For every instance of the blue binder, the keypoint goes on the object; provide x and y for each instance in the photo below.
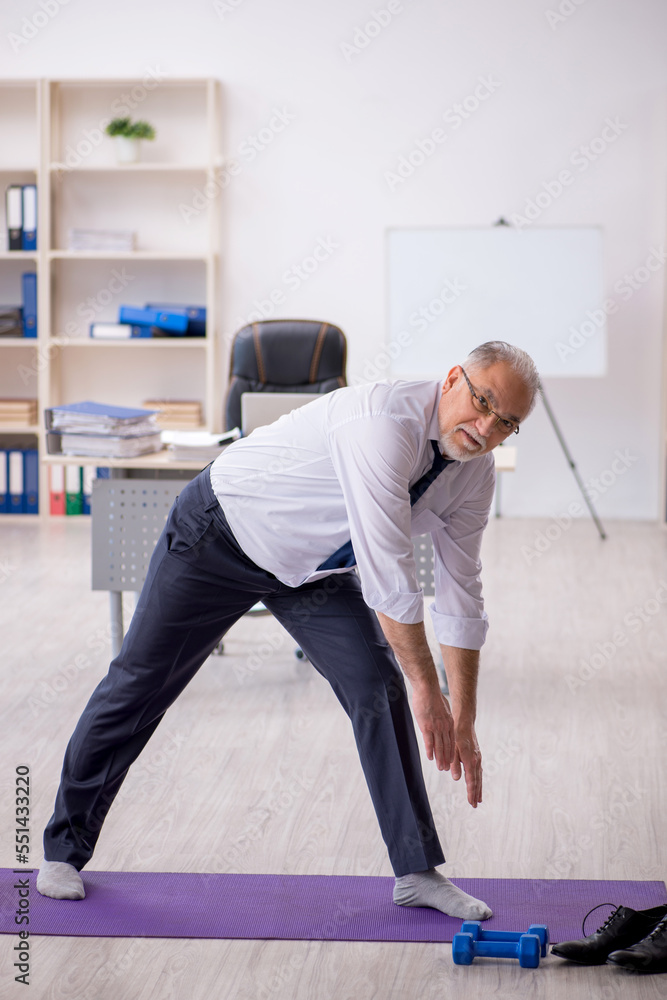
(15, 476)
(170, 321)
(87, 476)
(29, 290)
(30, 481)
(4, 482)
(196, 316)
(92, 409)
(29, 236)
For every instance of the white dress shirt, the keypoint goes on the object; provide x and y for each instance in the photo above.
(341, 467)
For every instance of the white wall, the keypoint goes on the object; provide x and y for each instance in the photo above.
(352, 113)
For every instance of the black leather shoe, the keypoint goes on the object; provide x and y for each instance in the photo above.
(648, 955)
(623, 928)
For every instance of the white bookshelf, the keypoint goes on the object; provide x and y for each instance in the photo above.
(52, 134)
(20, 163)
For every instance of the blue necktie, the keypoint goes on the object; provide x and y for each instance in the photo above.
(344, 556)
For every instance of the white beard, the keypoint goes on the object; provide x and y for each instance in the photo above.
(460, 451)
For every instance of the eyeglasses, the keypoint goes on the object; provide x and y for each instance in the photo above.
(482, 406)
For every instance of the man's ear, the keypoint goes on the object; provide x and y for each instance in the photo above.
(452, 378)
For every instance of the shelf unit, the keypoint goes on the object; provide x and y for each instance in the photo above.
(52, 134)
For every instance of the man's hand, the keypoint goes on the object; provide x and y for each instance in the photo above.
(449, 739)
(435, 721)
(454, 747)
(467, 755)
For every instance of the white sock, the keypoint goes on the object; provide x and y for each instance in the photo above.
(60, 881)
(430, 888)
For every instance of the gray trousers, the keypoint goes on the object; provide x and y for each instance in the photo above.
(198, 584)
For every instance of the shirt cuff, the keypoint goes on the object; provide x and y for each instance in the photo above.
(408, 609)
(464, 633)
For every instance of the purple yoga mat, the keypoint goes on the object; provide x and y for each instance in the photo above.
(303, 907)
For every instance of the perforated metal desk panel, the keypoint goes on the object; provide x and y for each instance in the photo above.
(128, 517)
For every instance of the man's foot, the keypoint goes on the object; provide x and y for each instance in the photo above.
(430, 888)
(59, 880)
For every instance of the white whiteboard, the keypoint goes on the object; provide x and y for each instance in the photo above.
(452, 289)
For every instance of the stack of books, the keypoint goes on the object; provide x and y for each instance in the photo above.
(101, 430)
(101, 239)
(197, 446)
(22, 412)
(176, 413)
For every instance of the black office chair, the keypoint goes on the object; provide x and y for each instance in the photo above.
(284, 355)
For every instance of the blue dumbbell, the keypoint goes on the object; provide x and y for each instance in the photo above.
(480, 934)
(527, 949)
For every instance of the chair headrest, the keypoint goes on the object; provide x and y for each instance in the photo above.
(288, 352)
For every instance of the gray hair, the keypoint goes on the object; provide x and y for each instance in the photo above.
(523, 366)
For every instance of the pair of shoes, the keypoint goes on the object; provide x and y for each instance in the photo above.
(624, 928)
(648, 955)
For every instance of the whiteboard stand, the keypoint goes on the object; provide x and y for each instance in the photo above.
(570, 461)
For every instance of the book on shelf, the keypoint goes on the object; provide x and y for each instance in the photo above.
(176, 413)
(18, 411)
(119, 240)
(29, 292)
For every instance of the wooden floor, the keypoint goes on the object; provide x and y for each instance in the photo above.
(254, 768)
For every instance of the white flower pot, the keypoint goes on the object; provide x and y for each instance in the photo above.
(127, 150)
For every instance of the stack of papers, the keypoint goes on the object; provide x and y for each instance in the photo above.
(100, 418)
(197, 446)
(101, 239)
(109, 447)
(104, 431)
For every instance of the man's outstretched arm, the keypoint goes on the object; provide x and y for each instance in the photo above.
(449, 738)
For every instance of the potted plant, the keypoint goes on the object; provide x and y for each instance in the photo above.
(127, 135)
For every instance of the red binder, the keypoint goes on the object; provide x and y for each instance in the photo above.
(57, 489)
